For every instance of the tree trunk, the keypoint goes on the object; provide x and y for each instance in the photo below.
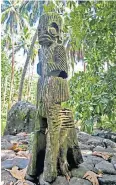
(5, 90)
(26, 65)
(12, 71)
(29, 56)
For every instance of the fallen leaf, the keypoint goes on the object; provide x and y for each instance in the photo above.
(104, 155)
(92, 177)
(14, 145)
(18, 174)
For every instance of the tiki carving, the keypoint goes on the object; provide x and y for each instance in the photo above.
(55, 146)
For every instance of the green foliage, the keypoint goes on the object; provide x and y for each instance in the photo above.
(18, 22)
(29, 90)
(93, 29)
(89, 28)
(49, 7)
(92, 97)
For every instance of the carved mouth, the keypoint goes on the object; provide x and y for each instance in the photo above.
(44, 38)
(63, 75)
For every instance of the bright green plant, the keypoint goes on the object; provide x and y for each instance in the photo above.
(93, 96)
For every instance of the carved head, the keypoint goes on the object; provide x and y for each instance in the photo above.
(50, 29)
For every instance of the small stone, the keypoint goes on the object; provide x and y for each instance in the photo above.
(113, 161)
(84, 147)
(105, 167)
(60, 181)
(82, 169)
(29, 183)
(77, 181)
(107, 180)
(20, 162)
(79, 172)
(95, 141)
(88, 165)
(109, 150)
(87, 152)
(92, 159)
(5, 145)
(109, 143)
(83, 137)
(7, 154)
(7, 177)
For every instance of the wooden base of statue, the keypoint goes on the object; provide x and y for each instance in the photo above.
(43, 160)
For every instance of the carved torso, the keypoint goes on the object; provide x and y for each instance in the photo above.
(53, 70)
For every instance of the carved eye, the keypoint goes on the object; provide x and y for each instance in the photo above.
(52, 31)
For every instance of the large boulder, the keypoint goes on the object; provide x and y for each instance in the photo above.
(20, 118)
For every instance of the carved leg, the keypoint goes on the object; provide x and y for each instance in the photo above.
(63, 160)
(75, 148)
(36, 163)
(74, 153)
(66, 120)
(68, 143)
(52, 148)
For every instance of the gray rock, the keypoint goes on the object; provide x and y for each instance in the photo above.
(7, 177)
(89, 166)
(107, 180)
(29, 183)
(105, 134)
(95, 141)
(107, 150)
(21, 118)
(73, 181)
(84, 146)
(7, 154)
(20, 162)
(113, 161)
(110, 143)
(86, 152)
(105, 167)
(17, 139)
(82, 169)
(92, 159)
(77, 181)
(79, 172)
(83, 137)
(60, 181)
(5, 145)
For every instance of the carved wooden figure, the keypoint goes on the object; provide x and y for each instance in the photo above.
(55, 146)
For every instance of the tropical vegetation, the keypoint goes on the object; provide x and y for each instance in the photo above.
(89, 37)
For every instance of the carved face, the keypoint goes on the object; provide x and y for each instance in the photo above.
(49, 29)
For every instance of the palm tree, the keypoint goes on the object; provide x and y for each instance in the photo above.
(12, 22)
(34, 9)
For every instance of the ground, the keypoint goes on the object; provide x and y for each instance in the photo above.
(99, 155)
